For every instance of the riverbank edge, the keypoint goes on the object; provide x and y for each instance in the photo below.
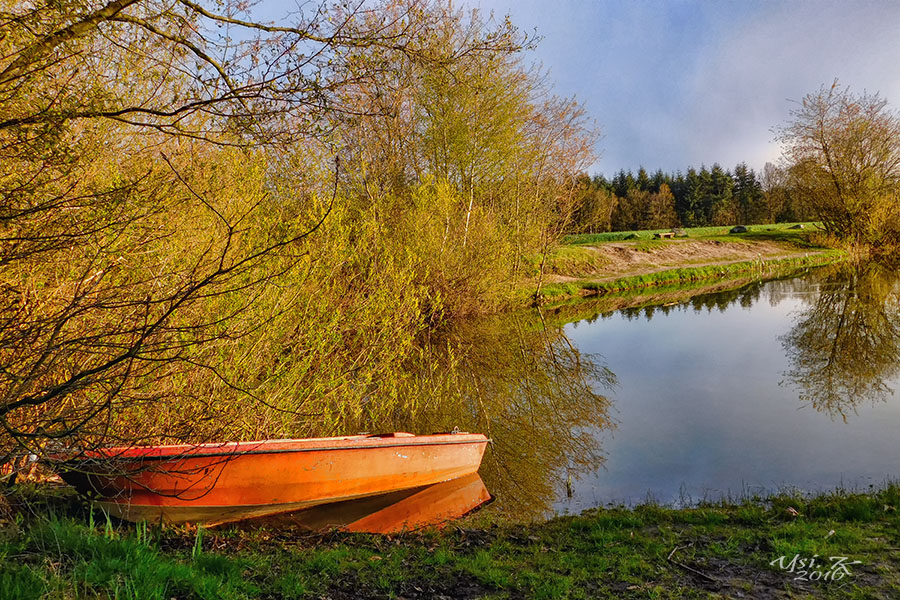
(751, 548)
(759, 269)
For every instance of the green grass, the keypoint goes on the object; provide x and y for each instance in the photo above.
(768, 231)
(687, 276)
(65, 559)
(575, 260)
(604, 553)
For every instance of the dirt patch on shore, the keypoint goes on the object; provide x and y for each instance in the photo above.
(623, 259)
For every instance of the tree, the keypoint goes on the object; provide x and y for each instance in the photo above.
(775, 193)
(842, 151)
(623, 182)
(642, 180)
(659, 179)
(470, 159)
(595, 206)
(748, 196)
(140, 228)
(719, 204)
(691, 209)
(662, 209)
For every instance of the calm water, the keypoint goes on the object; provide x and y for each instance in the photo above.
(785, 384)
(782, 384)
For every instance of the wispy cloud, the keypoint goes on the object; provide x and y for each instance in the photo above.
(674, 84)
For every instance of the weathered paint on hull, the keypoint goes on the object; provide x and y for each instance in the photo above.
(218, 483)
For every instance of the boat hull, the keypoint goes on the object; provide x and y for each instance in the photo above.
(218, 483)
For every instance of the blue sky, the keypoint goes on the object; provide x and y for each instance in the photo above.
(677, 84)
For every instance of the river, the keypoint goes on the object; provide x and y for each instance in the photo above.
(784, 385)
(773, 386)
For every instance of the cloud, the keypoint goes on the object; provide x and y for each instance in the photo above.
(781, 54)
(677, 84)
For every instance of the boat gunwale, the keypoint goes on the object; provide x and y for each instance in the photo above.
(196, 452)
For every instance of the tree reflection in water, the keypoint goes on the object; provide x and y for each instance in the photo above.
(846, 344)
(519, 380)
(843, 347)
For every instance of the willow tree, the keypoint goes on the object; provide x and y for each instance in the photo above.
(468, 162)
(843, 155)
(138, 226)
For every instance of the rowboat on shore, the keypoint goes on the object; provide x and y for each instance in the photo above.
(224, 482)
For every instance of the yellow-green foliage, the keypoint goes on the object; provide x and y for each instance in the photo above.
(843, 155)
(460, 270)
(175, 269)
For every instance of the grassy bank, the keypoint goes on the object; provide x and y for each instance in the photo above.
(577, 308)
(686, 276)
(717, 551)
(635, 262)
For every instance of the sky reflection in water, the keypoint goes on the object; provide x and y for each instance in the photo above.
(705, 407)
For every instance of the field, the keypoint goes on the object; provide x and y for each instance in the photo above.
(781, 230)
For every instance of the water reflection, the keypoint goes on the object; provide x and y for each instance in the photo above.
(723, 394)
(706, 391)
(406, 510)
(844, 343)
(844, 347)
(522, 382)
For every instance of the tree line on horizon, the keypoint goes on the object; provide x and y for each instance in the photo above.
(841, 166)
(694, 198)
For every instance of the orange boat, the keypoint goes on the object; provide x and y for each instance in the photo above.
(219, 483)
